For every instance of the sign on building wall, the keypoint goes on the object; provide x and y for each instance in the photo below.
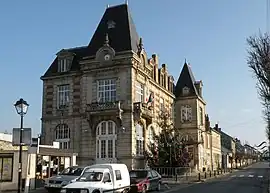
(26, 136)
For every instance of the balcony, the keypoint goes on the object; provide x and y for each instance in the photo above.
(142, 110)
(106, 107)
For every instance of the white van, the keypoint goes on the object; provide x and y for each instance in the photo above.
(100, 178)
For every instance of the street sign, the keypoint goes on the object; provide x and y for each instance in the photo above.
(26, 136)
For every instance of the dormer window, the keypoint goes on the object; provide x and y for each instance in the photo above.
(63, 65)
(185, 90)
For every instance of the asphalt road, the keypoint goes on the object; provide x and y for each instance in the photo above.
(253, 179)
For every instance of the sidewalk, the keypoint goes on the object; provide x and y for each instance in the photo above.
(38, 190)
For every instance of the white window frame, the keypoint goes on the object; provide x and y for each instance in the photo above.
(104, 139)
(188, 113)
(151, 135)
(62, 135)
(201, 116)
(139, 92)
(161, 104)
(139, 140)
(63, 65)
(185, 90)
(106, 90)
(63, 95)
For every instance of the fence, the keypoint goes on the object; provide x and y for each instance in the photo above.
(185, 174)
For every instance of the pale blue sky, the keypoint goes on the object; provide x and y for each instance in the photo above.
(210, 34)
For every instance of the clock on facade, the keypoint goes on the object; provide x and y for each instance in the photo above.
(186, 113)
(107, 57)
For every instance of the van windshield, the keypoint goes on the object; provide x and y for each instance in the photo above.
(91, 177)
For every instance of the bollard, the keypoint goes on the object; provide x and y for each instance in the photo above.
(176, 177)
(220, 171)
(215, 173)
(199, 176)
(205, 175)
(210, 174)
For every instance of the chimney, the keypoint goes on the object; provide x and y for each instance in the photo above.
(199, 85)
(207, 122)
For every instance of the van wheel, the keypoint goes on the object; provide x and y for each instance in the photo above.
(96, 191)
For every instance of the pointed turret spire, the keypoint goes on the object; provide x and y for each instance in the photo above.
(186, 79)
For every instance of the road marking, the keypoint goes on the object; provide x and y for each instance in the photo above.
(250, 176)
(260, 176)
(233, 176)
(241, 176)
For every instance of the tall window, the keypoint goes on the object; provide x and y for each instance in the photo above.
(62, 135)
(161, 104)
(106, 90)
(6, 167)
(201, 116)
(63, 65)
(63, 95)
(139, 140)
(151, 136)
(172, 111)
(106, 138)
(139, 89)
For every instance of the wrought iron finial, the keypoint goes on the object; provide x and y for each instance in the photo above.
(140, 43)
(106, 42)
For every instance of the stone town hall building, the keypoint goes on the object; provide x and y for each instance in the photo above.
(103, 100)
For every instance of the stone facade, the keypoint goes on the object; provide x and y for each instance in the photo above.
(103, 101)
(115, 125)
(216, 149)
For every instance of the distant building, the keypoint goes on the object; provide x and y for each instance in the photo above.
(228, 149)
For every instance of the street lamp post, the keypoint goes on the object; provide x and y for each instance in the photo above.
(21, 108)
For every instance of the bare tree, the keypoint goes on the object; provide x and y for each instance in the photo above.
(259, 63)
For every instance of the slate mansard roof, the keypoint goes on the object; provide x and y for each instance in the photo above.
(122, 37)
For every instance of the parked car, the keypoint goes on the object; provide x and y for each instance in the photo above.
(145, 180)
(68, 175)
(101, 178)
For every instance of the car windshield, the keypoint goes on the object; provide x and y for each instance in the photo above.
(71, 171)
(138, 174)
(91, 176)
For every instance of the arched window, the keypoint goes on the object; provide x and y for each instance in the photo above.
(139, 140)
(106, 137)
(62, 135)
